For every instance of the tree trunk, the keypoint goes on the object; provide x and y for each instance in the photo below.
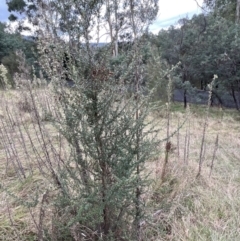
(201, 84)
(184, 79)
(238, 12)
(218, 98)
(235, 99)
(185, 98)
(116, 28)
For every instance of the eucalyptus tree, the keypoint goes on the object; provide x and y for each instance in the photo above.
(184, 47)
(228, 60)
(217, 54)
(238, 12)
(204, 45)
(228, 9)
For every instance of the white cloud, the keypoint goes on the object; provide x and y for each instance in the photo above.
(14, 25)
(170, 11)
(170, 8)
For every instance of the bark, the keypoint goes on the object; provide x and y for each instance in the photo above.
(105, 173)
(116, 29)
(238, 12)
(185, 98)
(113, 34)
(218, 98)
(184, 79)
(235, 99)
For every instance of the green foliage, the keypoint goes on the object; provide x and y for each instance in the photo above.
(10, 61)
(157, 76)
(102, 132)
(9, 44)
(222, 8)
(100, 182)
(17, 6)
(204, 46)
(109, 147)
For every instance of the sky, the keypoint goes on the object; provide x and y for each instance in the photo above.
(170, 11)
(3, 11)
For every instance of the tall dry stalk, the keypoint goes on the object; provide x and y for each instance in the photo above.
(203, 149)
(187, 136)
(168, 145)
(214, 154)
(28, 140)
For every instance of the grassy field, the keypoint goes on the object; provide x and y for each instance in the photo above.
(180, 205)
(207, 207)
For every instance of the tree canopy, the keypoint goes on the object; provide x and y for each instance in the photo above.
(228, 9)
(9, 44)
(203, 46)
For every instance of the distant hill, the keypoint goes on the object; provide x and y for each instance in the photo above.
(32, 38)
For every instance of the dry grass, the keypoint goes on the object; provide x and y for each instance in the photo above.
(29, 145)
(204, 208)
(181, 206)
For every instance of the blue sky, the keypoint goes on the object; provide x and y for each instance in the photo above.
(170, 11)
(3, 11)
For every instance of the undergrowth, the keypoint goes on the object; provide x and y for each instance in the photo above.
(179, 206)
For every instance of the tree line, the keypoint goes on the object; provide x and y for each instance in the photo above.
(10, 44)
(201, 47)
